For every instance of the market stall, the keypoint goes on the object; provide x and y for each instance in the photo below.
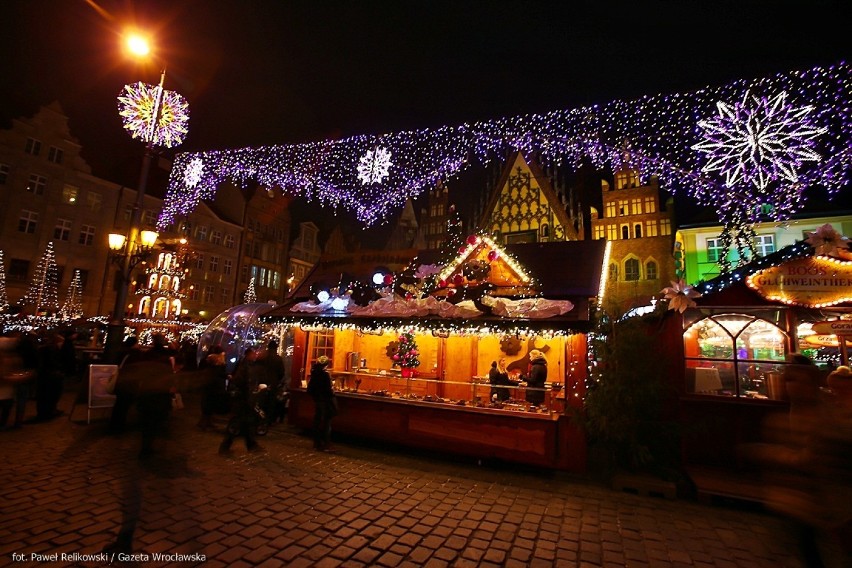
(516, 300)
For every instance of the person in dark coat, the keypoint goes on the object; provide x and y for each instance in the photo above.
(214, 391)
(275, 409)
(325, 405)
(498, 376)
(50, 379)
(242, 387)
(537, 378)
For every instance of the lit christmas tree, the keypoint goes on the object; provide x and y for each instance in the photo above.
(250, 297)
(73, 306)
(4, 299)
(42, 294)
(407, 354)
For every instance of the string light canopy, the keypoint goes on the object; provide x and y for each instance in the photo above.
(743, 145)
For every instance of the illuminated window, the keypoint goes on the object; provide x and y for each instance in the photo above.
(621, 180)
(600, 232)
(764, 244)
(610, 209)
(622, 207)
(714, 250)
(650, 205)
(635, 206)
(612, 232)
(70, 193)
(321, 343)
(650, 228)
(665, 227)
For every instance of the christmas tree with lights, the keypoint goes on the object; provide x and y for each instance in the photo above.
(407, 353)
(250, 297)
(73, 306)
(4, 299)
(42, 294)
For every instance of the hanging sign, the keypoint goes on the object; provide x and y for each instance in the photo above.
(834, 327)
(816, 282)
(823, 340)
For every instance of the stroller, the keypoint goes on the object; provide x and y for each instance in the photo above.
(258, 402)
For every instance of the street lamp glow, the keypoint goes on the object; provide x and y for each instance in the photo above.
(138, 45)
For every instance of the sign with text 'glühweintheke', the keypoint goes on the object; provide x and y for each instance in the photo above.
(816, 282)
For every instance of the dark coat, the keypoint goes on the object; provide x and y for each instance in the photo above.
(497, 379)
(320, 385)
(537, 378)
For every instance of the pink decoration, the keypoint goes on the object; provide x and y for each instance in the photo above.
(471, 240)
(388, 279)
(492, 255)
(458, 279)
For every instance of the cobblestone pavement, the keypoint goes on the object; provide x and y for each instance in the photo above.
(69, 488)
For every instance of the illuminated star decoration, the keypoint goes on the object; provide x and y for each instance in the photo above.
(194, 172)
(680, 296)
(759, 140)
(137, 104)
(826, 240)
(374, 166)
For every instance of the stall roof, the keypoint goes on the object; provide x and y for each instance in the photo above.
(569, 270)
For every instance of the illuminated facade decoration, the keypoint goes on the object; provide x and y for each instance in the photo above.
(160, 293)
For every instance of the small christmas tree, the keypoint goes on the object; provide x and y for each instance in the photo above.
(407, 353)
(250, 297)
(4, 299)
(42, 294)
(73, 306)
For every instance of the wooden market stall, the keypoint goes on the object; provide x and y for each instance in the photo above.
(519, 298)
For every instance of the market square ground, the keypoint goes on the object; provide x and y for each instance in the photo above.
(67, 487)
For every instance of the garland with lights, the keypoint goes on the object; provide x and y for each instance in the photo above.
(73, 306)
(250, 297)
(42, 293)
(749, 142)
(4, 298)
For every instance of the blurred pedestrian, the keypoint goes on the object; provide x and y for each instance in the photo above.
(275, 409)
(242, 386)
(214, 394)
(325, 404)
(50, 379)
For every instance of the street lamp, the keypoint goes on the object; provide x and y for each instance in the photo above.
(158, 118)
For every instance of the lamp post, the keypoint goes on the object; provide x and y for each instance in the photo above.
(141, 107)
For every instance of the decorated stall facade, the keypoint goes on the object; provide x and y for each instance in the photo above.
(737, 337)
(411, 362)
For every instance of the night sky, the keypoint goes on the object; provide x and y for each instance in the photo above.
(287, 71)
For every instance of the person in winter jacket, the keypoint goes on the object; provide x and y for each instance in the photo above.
(325, 404)
(537, 378)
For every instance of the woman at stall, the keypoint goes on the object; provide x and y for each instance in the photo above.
(537, 378)
(498, 376)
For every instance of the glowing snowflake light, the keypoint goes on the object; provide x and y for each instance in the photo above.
(759, 140)
(374, 166)
(194, 172)
(137, 106)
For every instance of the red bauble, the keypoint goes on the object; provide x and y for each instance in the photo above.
(388, 279)
(458, 279)
(442, 283)
(462, 249)
(471, 240)
(451, 292)
(492, 255)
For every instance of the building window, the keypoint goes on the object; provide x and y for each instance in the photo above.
(54, 155)
(600, 232)
(714, 250)
(36, 184)
(4, 173)
(27, 221)
(620, 180)
(651, 270)
(610, 209)
(33, 147)
(149, 218)
(631, 269)
(764, 244)
(622, 207)
(128, 212)
(193, 293)
(665, 227)
(87, 235)
(612, 232)
(214, 263)
(227, 266)
(94, 201)
(199, 261)
(244, 272)
(208, 294)
(637, 230)
(229, 241)
(226, 296)
(18, 269)
(650, 228)
(613, 272)
(650, 205)
(201, 233)
(322, 343)
(625, 232)
(216, 237)
(635, 206)
(62, 231)
(69, 194)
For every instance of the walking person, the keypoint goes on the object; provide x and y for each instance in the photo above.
(275, 409)
(242, 387)
(325, 404)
